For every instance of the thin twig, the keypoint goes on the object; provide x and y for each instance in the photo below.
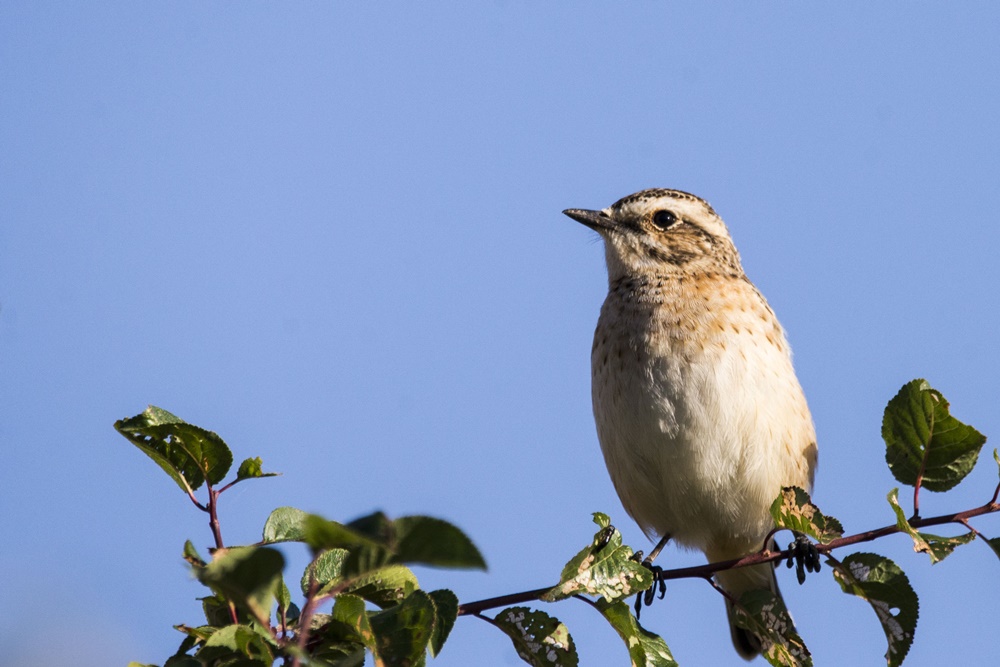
(213, 517)
(305, 618)
(763, 556)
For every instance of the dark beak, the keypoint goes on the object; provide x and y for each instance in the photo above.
(596, 220)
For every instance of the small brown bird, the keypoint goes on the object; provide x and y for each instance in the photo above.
(699, 413)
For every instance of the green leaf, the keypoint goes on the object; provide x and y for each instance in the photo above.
(189, 454)
(251, 469)
(996, 457)
(887, 589)
(935, 546)
(386, 586)
(764, 614)
(285, 524)
(320, 533)
(140, 664)
(430, 541)
(239, 640)
(216, 611)
(794, 510)
(994, 543)
(604, 567)
(338, 654)
(248, 576)
(182, 661)
(402, 632)
(283, 597)
(445, 614)
(921, 435)
(644, 648)
(349, 611)
(539, 639)
(191, 555)
(327, 569)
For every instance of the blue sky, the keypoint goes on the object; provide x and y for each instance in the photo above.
(332, 234)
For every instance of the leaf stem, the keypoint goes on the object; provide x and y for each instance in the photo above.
(305, 618)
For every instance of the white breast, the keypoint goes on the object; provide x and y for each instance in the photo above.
(699, 413)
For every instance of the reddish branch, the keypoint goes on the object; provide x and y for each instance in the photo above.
(765, 556)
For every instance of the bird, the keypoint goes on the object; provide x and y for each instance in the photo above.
(699, 413)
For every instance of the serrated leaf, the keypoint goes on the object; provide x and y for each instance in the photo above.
(604, 568)
(403, 632)
(645, 649)
(887, 589)
(921, 435)
(188, 453)
(430, 541)
(252, 469)
(285, 524)
(445, 614)
(764, 614)
(794, 510)
(935, 546)
(539, 639)
(326, 569)
(386, 586)
(237, 640)
(248, 576)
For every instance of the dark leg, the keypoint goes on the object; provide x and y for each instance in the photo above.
(646, 597)
(805, 557)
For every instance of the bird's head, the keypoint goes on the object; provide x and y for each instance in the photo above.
(657, 232)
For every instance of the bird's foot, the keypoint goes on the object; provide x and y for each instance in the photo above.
(645, 598)
(804, 556)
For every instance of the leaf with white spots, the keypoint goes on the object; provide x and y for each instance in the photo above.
(887, 589)
(764, 614)
(794, 510)
(923, 441)
(540, 639)
(645, 649)
(604, 567)
(935, 546)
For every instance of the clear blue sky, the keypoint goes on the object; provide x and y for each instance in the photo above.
(332, 233)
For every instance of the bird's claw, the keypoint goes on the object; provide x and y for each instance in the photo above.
(645, 598)
(804, 556)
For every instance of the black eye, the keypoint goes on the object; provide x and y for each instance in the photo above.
(664, 219)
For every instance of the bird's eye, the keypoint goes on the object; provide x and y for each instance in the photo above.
(664, 219)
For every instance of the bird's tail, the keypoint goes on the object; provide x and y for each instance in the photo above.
(736, 583)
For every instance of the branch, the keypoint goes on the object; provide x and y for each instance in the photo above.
(764, 556)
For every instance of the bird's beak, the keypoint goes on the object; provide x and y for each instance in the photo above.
(596, 220)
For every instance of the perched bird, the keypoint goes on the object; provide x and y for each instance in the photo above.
(699, 413)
